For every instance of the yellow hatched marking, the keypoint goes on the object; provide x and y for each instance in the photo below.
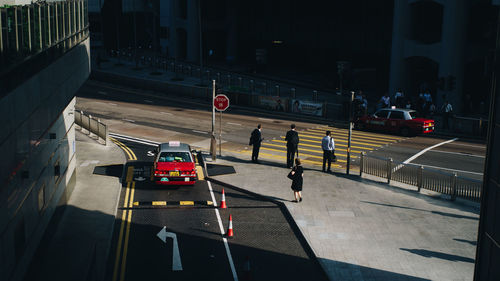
(186, 203)
(323, 129)
(310, 150)
(343, 137)
(120, 236)
(336, 145)
(127, 235)
(305, 149)
(341, 141)
(199, 172)
(247, 152)
(354, 135)
(130, 173)
(159, 203)
(302, 154)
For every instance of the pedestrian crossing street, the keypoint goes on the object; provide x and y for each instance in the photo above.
(310, 145)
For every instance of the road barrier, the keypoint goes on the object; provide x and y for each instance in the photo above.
(92, 125)
(421, 177)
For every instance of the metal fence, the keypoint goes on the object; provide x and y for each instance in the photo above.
(92, 125)
(421, 177)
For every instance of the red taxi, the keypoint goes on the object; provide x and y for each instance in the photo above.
(396, 120)
(174, 164)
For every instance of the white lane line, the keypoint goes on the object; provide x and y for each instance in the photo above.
(266, 119)
(148, 101)
(446, 169)
(112, 103)
(102, 93)
(420, 153)
(221, 227)
(427, 149)
(166, 113)
(236, 124)
(201, 132)
(458, 153)
(132, 139)
(129, 120)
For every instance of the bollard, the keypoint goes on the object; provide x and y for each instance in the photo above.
(315, 95)
(277, 90)
(420, 182)
(389, 170)
(453, 187)
(361, 162)
(292, 93)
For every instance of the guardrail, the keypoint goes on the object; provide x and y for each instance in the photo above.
(92, 125)
(427, 178)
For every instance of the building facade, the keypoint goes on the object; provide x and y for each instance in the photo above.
(44, 59)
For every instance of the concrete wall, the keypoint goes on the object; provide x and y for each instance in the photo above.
(37, 144)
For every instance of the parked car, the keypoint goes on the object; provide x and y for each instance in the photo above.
(174, 164)
(396, 120)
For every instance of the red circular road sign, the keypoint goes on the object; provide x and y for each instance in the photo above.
(221, 102)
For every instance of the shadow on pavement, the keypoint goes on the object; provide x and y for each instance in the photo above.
(473, 243)
(433, 254)
(109, 170)
(433, 212)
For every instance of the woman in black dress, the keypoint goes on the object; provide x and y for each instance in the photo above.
(297, 180)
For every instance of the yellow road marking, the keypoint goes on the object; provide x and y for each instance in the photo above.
(345, 134)
(248, 152)
(336, 145)
(122, 147)
(342, 141)
(186, 203)
(323, 129)
(305, 149)
(120, 236)
(199, 172)
(159, 203)
(343, 137)
(301, 154)
(127, 234)
(130, 173)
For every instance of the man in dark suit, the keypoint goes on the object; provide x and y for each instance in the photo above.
(255, 140)
(292, 145)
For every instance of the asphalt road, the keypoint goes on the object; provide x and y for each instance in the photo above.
(265, 246)
(162, 117)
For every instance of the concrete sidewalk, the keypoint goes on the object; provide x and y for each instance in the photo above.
(364, 230)
(76, 247)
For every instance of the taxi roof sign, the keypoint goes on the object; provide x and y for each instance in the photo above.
(174, 143)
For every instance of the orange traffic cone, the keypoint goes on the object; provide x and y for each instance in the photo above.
(229, 232)
(223, 201)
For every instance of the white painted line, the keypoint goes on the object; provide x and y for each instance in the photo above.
(166, 113)
(221, 227)
(201, 132)
(148, 101)
(102, 93)
(132, 139)
(427, 149)
(266, 119)
(458, 153)
(129, 120)
(420, 153)
(452, 170)
(236, 124)
(114, 104)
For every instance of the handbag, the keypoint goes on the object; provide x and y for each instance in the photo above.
(290, 176)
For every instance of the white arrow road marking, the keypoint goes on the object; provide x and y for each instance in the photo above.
(176, 256)
(150, 153)
(140, 178)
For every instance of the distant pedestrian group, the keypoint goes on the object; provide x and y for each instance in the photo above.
(292, 144)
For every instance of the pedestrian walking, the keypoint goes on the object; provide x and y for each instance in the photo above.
(255, 140)
(447, 111)
(297, 180)
(292, 145)
(328, 146)
(385, 101)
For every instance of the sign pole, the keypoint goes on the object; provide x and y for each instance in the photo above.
(220, 135)
(213, 142)
(350, 134)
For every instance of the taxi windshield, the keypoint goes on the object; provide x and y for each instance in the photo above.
(174, 157)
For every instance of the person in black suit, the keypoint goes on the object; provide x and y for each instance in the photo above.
(292, 145)
(255, 140)
(297, 180)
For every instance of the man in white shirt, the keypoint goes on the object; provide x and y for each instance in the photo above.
(447, 111)
(328, 146)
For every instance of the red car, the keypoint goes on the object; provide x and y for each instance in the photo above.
(174, 164)
(396, 120)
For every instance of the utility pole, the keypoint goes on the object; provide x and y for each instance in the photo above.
(213, 141)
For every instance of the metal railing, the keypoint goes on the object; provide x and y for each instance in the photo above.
(421, 177)
(92, 125)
